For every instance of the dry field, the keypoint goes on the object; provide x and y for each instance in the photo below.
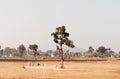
(73, 70)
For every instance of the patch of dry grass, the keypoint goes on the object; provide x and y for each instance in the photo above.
(73, 70)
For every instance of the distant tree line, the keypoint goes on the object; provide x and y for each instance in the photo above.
(101, 52)
(21, 51)
(60, 37)
(32, 50)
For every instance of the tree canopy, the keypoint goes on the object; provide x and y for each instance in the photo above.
(34, 48)
(21, 49)
(61, 37)
(90, 49)
(102, 50)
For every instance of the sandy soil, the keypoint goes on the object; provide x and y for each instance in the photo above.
(73, 70)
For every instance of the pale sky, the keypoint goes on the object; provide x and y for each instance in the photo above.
(89, 22)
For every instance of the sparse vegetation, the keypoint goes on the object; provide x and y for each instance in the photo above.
(100, 61)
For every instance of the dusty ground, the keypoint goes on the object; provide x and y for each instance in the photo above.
(73, 70)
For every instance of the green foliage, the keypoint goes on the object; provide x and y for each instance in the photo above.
(101, 50)
(21, 49)
(33, 47)
(90, 50)
(61, 37)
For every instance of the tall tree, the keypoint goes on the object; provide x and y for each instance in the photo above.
(90, 50)
(34, 48)
(61, 38)
(21, 50)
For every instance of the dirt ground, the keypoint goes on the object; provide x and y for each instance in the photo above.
(49, 70)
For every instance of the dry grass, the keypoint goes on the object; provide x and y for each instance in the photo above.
(73, 70)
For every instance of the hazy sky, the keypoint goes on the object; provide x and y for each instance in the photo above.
(89, 22)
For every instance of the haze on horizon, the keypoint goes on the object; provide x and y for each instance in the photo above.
(89, 22)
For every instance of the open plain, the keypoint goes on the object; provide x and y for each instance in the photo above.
(50, 70)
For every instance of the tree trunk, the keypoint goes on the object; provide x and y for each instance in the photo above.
(35, 55)
(62, 60)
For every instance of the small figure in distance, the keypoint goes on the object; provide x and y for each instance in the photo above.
(38, 64)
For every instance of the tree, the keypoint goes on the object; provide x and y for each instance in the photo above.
(110, 53)
(90, 50)
(34, 48)
(21, 50)
(102, 50)
(7, 51)
(1, 51)
(61, 38)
